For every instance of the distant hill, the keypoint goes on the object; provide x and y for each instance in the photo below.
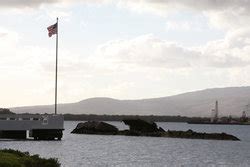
(232, 101)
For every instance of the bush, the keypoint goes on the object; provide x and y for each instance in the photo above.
(15, 158)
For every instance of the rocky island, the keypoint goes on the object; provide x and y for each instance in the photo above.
(95, 127)
(138, 127)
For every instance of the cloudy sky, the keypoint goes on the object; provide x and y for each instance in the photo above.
(125, 49)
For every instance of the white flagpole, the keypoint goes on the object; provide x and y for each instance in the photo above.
(56, 67)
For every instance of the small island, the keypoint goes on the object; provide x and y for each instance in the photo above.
(15, 158)
(138, 127)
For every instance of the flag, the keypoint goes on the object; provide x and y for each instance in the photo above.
(52, 29)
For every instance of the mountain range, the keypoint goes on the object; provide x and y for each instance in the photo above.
(231, 100)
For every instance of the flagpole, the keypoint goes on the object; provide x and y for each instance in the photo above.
(56, 67)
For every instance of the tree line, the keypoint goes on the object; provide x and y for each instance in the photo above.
(155, 118)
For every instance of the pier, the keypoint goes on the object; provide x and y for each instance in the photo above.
(36, 126)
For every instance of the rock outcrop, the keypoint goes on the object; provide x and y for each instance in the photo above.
(139, 127)
(196, 135)
(95, 127)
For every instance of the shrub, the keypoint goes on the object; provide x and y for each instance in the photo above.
(15, 158)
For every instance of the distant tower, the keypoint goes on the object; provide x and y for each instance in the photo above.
(215, 113)
(244, 114)
(244, 117)
(247, 108)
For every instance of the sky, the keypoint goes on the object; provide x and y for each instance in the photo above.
(124, 49)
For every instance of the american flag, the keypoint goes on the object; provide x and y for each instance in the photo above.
(52, 29)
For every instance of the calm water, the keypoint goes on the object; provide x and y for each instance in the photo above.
(96, 150)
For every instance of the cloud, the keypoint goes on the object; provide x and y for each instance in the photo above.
(232, 51)
(223, 14)
(24, 3)
(137, 64)
(37, 3)
(149, 51)
(28, 70)
(8, 41)
(146, 50)
(3, 34)
(8, 36)
(184, 26)
(204, 5)
(153, 5)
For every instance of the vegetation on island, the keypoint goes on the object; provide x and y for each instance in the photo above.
(15, 158)
(154, 118)
(5, 111)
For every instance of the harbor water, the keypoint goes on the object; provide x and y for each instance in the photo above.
(76, 150)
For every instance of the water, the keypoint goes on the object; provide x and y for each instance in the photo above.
(77, 150)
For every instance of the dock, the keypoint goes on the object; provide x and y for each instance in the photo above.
(36, 126)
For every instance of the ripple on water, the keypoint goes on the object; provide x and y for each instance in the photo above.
(95, 150)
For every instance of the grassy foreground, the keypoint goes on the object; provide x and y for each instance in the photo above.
(14, 158)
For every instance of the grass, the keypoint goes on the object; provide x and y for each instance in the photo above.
(15, 158)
